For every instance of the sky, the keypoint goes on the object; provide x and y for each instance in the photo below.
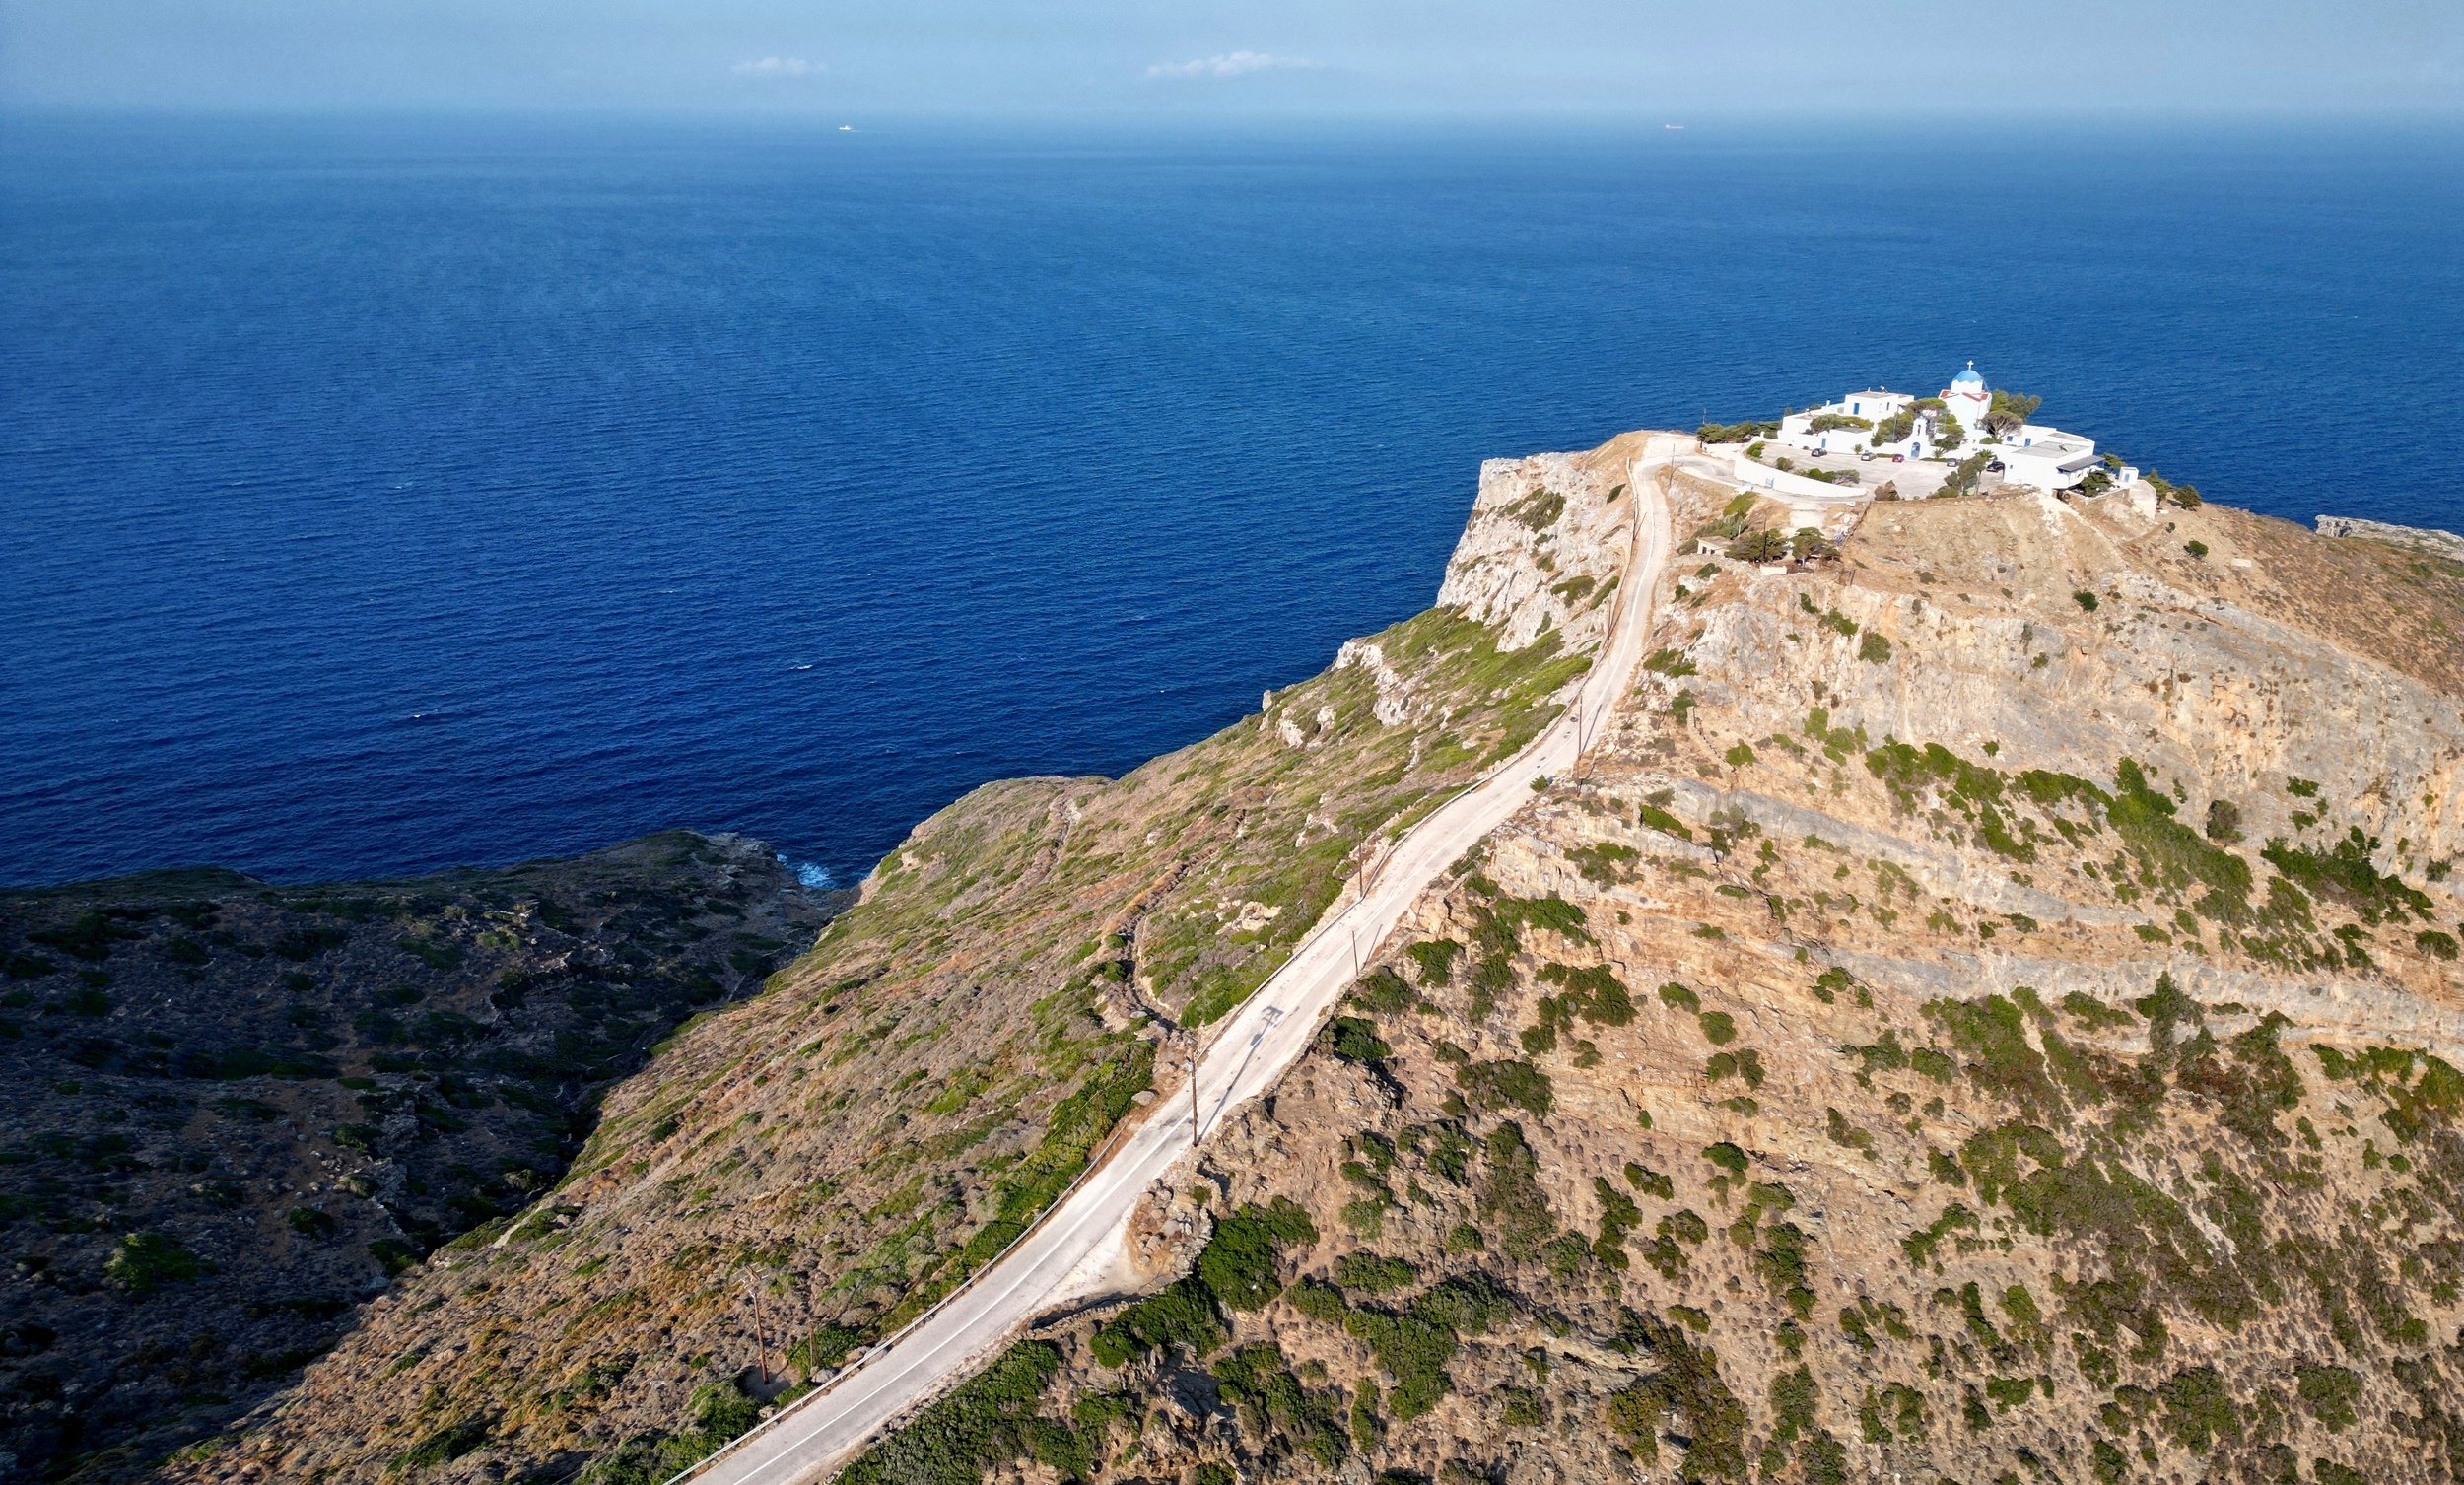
(861, 59)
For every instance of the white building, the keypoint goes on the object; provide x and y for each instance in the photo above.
(2035, 454)
(2047, 457)
(1966, 400)
(1852, 425)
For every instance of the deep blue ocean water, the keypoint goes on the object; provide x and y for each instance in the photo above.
(384, 495)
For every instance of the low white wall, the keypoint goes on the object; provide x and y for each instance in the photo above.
(1790, 486)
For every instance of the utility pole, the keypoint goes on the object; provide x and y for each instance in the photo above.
(1193, 1093)
(761, 1341)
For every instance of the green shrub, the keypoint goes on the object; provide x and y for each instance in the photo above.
(1746, 1063)
(309, 1222)
(1661, 819)
(2085, 599)
(1593, 992)
(445, 1445)
(434, 954)
(824, 1349)
(1965, 475)
(146, 1261)
(1684, 1387)
(1920, 1246)
(1874, 647)
(1602, 862)
(303, 944)
(393, 1256)
(1649, 1181)
(1382, 992)
(1565, 1256)
(1182, 1313)
(988, 1421)
(1356, 1041)
(1372, 1274)
(1435, 959)
(2329, 1393)
(2345, 873)
(1512, 1198)
(88, 936)
(2199, 1409)
(1507, 1085)
(1766, 545)
(1238, 1262)
(1276, 1409)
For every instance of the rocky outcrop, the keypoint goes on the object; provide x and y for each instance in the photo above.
(1543, 546)
(2437, 543)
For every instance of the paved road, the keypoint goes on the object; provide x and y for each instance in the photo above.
(1080, 1251)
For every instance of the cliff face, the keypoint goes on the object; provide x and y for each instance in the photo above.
(1537, 556)
(812, 1167)
(1951, 1030)
(233, 1111)
(1987, 1010)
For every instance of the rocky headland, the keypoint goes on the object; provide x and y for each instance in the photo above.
(1987, 1009)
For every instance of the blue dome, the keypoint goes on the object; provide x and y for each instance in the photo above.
(1968, 377)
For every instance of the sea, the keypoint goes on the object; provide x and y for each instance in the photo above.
(381, 493)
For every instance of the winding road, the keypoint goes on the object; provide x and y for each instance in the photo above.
(1079, 1250)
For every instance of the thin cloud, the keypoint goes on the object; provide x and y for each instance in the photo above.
(775, 67)
(1230, 64)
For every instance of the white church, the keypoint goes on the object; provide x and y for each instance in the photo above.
(1947, 424)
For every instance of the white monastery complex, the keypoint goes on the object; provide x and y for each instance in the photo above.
(1961, 421)
(1827, 463)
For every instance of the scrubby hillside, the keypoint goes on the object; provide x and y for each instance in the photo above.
(1991, 1014)
(233, 1111)
(806, 1171)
